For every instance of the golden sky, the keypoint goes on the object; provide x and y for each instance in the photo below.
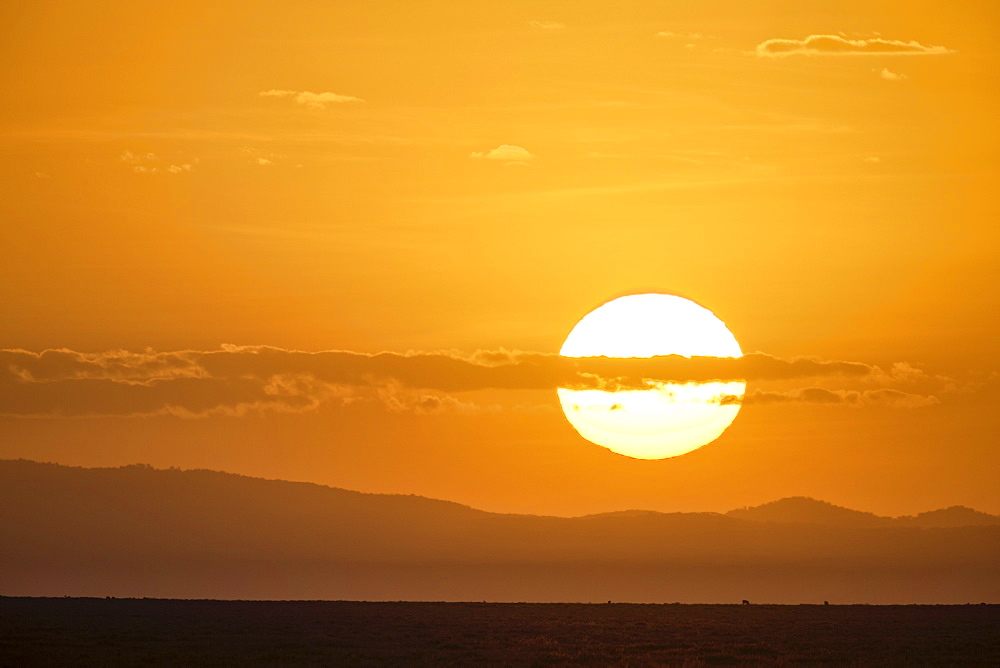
(191, 192)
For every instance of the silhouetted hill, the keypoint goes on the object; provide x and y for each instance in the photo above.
(955, 516)
(144, 532)
(803, 510)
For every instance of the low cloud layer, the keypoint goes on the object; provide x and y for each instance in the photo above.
(835, 45)
(238, 379)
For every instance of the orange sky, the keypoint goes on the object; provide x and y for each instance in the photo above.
(456, 176)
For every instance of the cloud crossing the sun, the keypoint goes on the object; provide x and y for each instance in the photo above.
(237, 379)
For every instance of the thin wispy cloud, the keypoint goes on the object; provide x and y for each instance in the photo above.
(310, 99)
(836, 45)
(669, 34)
(546, 25)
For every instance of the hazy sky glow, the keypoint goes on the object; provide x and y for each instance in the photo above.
(344, 242)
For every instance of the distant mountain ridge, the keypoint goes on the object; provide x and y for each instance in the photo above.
(140, 531)
(789, 510)
(804, 510)
(954, 516)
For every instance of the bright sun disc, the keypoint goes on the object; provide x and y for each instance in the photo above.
(670, 419)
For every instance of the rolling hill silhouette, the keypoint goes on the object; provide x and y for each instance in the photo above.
(803, 510)
(955, 516)
(139, 531)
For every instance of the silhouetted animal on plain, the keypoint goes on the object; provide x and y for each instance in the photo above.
(826, 602)
(746, 602)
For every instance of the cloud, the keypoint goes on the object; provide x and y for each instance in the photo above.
(398, 399)
(507, 152)
(889, 75)
(543, 25)
(874, 159)
(256, 158)
(679, 35)
(239, 379)
(310, 99)
(132, 158)
(907, 373)
(886, 397)
(149, 163)
(835, 45)
(445, 371)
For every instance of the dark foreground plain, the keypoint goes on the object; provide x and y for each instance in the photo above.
(162, 632)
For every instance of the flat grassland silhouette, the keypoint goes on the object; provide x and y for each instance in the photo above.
(175, 632)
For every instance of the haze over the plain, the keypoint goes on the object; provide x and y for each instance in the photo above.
(206, 534)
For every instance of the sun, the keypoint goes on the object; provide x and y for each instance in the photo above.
(670, 419)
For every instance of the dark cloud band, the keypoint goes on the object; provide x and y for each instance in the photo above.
(236, 378)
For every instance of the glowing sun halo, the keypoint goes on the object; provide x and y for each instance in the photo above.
(669, 419)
